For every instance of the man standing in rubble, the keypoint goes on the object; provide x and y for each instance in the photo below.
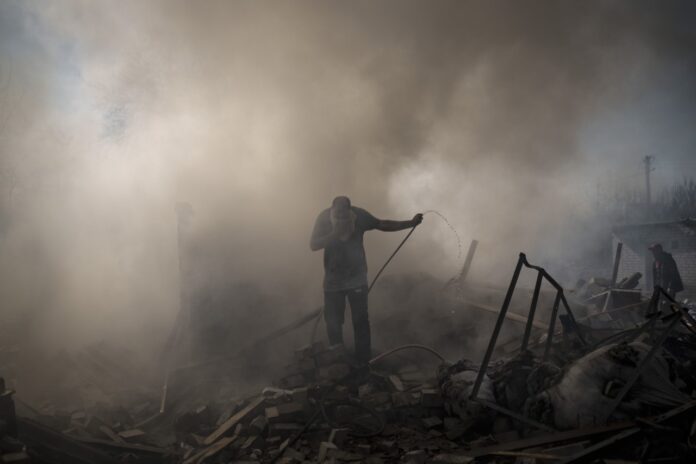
(339, 231)
(665, 271)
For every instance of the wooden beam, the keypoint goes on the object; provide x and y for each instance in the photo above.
(234, 420)
(468, 261)
(508, 315)
(617, 261)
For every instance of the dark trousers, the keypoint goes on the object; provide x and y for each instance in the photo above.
(334, 310)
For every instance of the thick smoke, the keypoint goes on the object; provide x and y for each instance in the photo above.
(258, 114)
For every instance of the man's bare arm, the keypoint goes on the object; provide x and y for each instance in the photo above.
(386, 225)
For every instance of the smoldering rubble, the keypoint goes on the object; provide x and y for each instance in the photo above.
(598, 373)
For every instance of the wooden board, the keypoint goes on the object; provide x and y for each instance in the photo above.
(232, 421)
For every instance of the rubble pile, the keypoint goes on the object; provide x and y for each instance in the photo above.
(326, 409)
(567, 392)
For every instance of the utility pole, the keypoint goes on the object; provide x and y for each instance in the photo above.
(648, 161)
(177, 348)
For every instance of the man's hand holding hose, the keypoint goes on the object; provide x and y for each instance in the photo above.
(417, 219)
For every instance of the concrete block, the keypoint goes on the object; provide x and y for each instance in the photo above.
(251, 442)
(301, 366)
(452, 459)
(405, 399)
(396, 383)
(303, 352)
(326, 450)
(284, 412)
(431, 398)
(431, 422)
(292, 453)
(132, 433)
(338, 436)
(333, 372)
(378, 399)
(19, 457)
(299, 395)
(335, 354)
(415, 457)
(318, 347)
(284, 428)
(365, 389)
(259, 424)
(293, 381)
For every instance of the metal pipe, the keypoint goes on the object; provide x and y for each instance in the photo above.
(532, 310)
(404, 347)
(617, 261)
(467, 262)
(496, 330)
(572, 319)
(558, 287)
(552, 324)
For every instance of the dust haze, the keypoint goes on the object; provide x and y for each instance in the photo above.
(502, 116)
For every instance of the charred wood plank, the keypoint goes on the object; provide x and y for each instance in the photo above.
(234, 420)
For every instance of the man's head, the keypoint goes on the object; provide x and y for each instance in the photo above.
(656, 249)
(340, 207)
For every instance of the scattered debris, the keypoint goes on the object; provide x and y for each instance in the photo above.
(585, 379)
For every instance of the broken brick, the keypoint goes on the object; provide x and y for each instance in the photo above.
(415, 457)
(338, 436)
(333, 372)
(430, 422)
(431, 398)
(335, 354)
(396, 383)
(325, 451)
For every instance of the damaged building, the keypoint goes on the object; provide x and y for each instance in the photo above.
(677, 238)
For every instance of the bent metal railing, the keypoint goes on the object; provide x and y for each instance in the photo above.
(654, 315)
(560, 298)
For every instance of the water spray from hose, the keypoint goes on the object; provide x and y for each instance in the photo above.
(459, 241)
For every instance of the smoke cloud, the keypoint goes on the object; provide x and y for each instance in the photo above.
(500, 115)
